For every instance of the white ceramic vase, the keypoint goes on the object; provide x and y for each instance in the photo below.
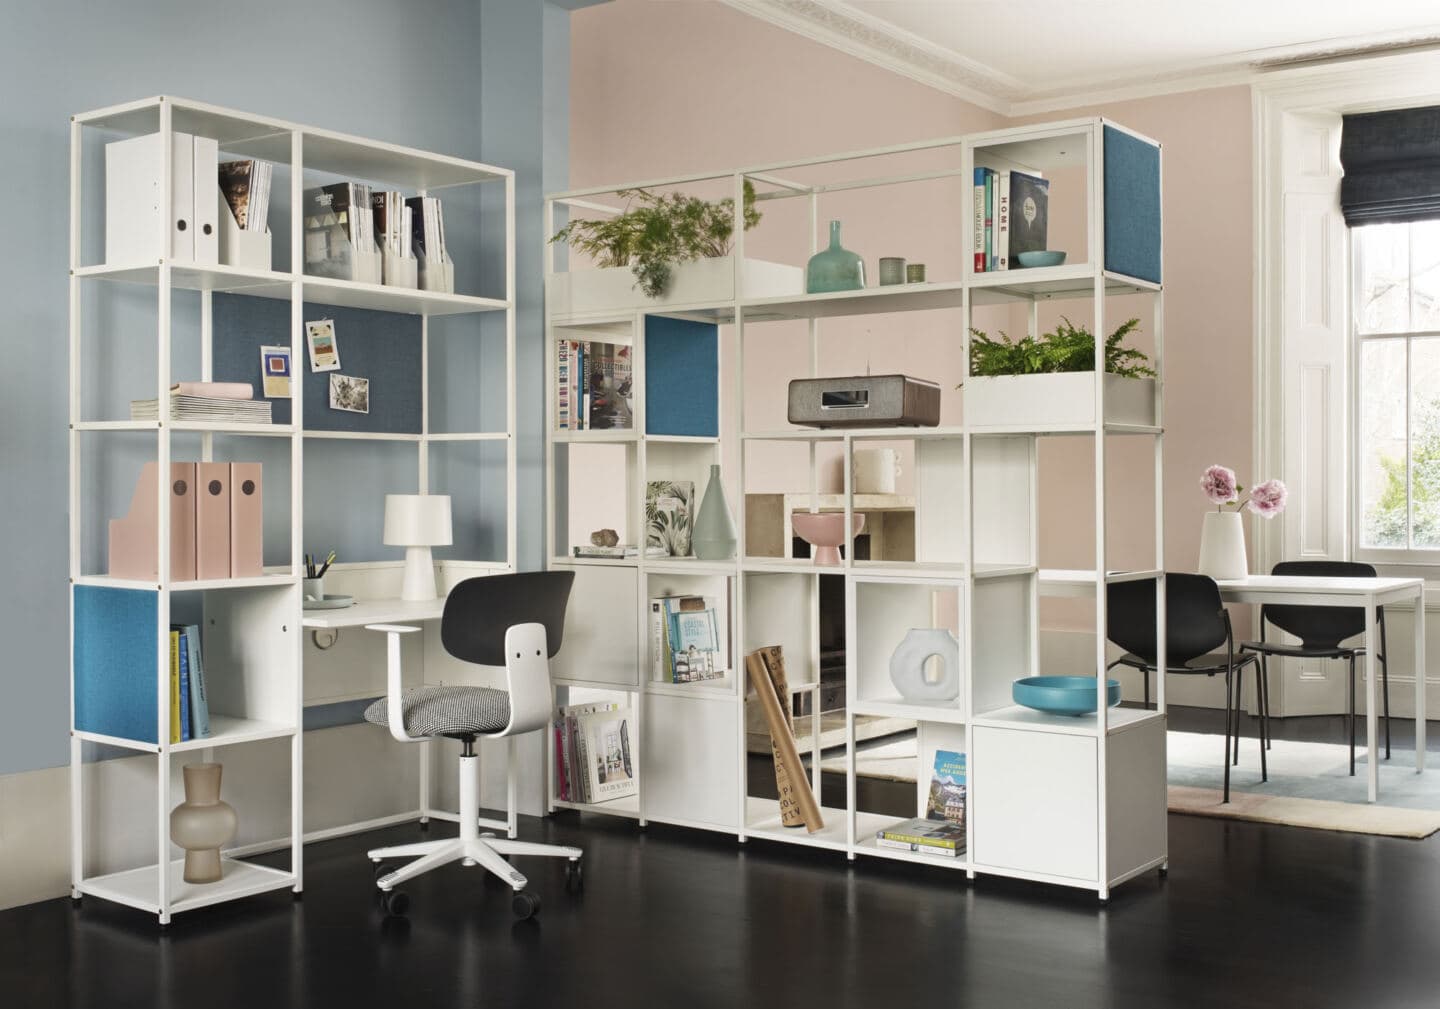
(1222, 546)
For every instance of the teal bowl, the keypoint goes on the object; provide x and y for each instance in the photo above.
(1044, 257)
(1062, 695)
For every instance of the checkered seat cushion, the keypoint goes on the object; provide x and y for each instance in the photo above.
(447, 711)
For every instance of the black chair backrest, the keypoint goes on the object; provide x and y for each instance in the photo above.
(479, 611)
(1194, 617)
(1319, 626)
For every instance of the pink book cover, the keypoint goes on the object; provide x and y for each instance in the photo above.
(212, 520)
(247, 517)
(216, 390)
(132, 547)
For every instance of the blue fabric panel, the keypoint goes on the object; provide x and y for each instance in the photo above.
(381, 346)
(1132, 206)
(682, 377)
(116, 661)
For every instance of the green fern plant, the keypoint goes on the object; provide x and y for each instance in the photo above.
(1067, 348)
(657, 232)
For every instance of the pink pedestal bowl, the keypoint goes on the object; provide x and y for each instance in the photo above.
(825, 531)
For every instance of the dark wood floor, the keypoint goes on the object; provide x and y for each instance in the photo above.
(1250, 915)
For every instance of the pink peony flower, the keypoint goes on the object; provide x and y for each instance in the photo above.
(1218, 483)
(1268, 498)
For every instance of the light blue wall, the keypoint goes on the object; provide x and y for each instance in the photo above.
(474, 78)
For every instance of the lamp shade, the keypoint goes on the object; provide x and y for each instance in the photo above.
(417, 520)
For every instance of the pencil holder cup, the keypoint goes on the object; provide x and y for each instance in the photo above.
(312, 588)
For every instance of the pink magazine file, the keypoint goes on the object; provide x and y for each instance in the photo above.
(212, 520)
(247, 518)
(134, 552)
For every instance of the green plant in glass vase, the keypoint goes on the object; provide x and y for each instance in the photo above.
(656, 232)
(1067, 348)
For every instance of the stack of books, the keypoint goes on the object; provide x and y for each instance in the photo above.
(688, 639)
(224, 402)
(189, 709)
(246, 185)
(1011, 216)
(594, 387)
(941, 831)
(595, 758)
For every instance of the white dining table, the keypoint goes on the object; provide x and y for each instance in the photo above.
(1366, 593)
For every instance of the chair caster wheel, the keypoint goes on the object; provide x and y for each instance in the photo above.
(525, 905)
(395, 903)
(574, 876)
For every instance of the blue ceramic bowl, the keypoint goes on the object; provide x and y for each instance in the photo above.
(1045, 257)
(1062, 695)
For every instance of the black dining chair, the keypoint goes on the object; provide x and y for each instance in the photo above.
(1196, 628)
(1320, 630)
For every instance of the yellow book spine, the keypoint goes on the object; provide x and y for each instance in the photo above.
(174, 686)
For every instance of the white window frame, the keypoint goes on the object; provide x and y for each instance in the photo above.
(1408, 556)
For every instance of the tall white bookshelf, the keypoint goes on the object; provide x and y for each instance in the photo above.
(1078, 802)
(253, 638)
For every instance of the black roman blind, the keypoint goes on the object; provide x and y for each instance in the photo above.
(1392, 166)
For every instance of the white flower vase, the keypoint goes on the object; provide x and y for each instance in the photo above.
(1222, 546)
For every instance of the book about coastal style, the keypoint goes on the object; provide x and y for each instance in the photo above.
(594, 386)
(1010, 215)
(669, 516)
(595, 755)
(689, 639)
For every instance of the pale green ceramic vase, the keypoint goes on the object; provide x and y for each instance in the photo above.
(835, 269)
(714, 532)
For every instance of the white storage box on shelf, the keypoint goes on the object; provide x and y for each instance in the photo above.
(238, 247)
(437, 274)
(1039, 402)
(703, 282)
(399, 271)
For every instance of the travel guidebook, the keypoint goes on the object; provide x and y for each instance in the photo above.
(941, 831)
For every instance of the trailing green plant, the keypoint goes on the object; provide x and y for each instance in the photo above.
(1067, 348)
(656, 232)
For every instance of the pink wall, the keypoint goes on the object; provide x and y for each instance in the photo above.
(656, 89)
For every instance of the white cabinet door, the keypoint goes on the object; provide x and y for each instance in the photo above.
(602, 621)
(690, 760)
(1033, 797)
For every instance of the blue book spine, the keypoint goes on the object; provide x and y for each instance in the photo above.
(185, 735)
(199, 706)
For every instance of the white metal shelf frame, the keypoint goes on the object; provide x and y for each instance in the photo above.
(302, 148)
(1090, 281)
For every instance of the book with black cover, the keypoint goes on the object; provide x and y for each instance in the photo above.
(1029, 214)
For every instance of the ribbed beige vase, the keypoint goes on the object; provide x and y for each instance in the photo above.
(202, 823)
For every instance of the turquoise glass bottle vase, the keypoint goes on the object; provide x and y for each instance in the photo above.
(835, 269)
(714, 530)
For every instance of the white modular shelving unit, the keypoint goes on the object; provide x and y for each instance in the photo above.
(1073, 801)
(252, 627)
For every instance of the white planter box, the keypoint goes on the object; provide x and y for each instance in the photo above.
(1039, 402)
(703, 282)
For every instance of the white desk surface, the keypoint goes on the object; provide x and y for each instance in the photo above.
(375, 611)
(1257, 588)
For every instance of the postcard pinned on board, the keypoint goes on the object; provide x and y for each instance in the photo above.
(324, 352)
(348, 392)
(275, 372)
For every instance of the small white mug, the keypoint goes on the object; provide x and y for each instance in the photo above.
(313, 588)
(876, 470)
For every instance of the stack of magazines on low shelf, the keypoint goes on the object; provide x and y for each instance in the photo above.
(224, 402)
(595, 758)
(941, 831)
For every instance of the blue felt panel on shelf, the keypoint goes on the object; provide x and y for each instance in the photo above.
(381, 346)
(682, 377)
(1132, 206)
(116, 661)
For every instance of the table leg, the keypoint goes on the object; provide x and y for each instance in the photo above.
(1420, 682)
(1372, 719)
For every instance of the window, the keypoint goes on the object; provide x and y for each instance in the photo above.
(1397, 330)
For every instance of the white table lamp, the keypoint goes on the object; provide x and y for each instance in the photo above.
(417, 522)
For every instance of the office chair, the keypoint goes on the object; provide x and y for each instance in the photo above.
(515, 621)
(1196, 625)
(1320, 630)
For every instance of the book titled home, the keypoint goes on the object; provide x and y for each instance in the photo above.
(1029, 214)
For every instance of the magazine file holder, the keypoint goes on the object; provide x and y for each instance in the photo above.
(399, 270)
(238, 247)
(347, 262)
(437, 273)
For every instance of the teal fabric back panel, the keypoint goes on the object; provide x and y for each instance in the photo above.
(381, 346)
(115, 661)
(1132, 206)
(682, 377)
